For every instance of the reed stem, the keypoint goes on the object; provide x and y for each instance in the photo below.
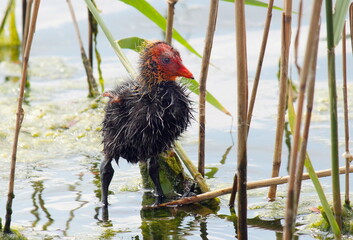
(351, 23)
(92, 85)
(19, 117)
(296, 166)
(312, 48)
(212, 19)
(259, 62)
(23, 15)
(90, 37)
(242, 92)
(346, 118)
(337, 208)
(170, 19)
(283, 89)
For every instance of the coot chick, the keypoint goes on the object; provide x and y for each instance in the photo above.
(146, 115)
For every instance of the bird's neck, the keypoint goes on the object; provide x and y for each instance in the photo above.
(150, 86)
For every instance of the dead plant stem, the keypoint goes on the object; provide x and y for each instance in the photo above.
(90, 37)
(92, 85)
(19, 116)
(259, 63)
(283, 88)
(242, 95)
(26, 24)
(294, 168)
(310, 102)
(170, 20)
(212, 19)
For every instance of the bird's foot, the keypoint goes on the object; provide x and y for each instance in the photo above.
(159, 200)
(189, 191)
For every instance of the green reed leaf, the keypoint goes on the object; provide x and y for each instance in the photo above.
(150, 12)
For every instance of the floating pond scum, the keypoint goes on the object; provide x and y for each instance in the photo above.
(57, 183)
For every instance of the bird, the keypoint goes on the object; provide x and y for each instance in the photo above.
(145, 115)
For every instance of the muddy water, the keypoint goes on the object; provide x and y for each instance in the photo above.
(57, 185)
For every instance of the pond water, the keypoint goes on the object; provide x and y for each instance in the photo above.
(57, 183)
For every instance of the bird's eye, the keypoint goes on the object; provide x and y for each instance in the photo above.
(166, 60)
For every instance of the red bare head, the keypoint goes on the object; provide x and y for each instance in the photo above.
(161, 62)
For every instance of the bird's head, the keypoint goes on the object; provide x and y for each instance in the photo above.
(161, 62)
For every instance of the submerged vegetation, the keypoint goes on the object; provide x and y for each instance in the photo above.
(70, 129)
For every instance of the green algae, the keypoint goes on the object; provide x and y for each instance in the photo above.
(15, 235)
(321, 222)
(111, 234)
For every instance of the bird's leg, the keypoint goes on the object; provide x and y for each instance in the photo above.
(153, 170)
(106, 172)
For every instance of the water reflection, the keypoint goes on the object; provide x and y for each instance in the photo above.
(38, 203)
(214, 170)
(270, 225)
(77, 199)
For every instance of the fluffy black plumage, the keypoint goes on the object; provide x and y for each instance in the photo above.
(146, 121)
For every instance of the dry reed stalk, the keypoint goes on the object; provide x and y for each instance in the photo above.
(27, 17)
(170, 19)
(310, 102)
(19, 117)
(283, 88)
(23, 12)
(304, 75)
(346, 119)
(259, 63)
(92, 85)
(90, 37)
(211, 28)
(250, 185)
(242, 91)
(234, 192)
(297, 37)
(351, 23)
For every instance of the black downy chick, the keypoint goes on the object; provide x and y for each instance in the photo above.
(146, 115)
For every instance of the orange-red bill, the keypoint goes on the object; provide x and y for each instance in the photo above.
(184, 72)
